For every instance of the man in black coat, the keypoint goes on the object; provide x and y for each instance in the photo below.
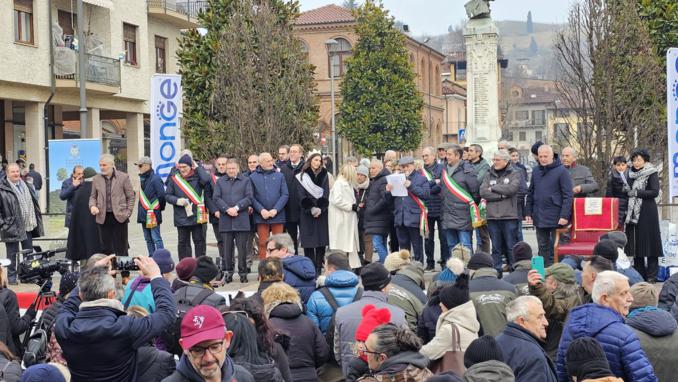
(99, 341)
(83, 235)
(151, 204)
(37, 178)
(433, 171)
(549, 200)
(378, 209)
(290, 168)
(68, 188)
(219, 172)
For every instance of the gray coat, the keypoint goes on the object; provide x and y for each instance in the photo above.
(582, 176)
(455, 213)
(347, 319)
(500, 191)
(233, 192)
(480, 167)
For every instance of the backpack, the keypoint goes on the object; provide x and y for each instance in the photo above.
(329, 335)
(171, 336)
(36, 349)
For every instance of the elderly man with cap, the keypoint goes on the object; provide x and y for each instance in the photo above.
(151, 204)
(205, 341)
(410, 212)
(375, 279)
(656, 330)
(364, 240)
(112, 202)
(582, 179)
(558, 293)
(490, 295)
(186, 192)
(432, 171)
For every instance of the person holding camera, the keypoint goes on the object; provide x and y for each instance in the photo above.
(99, 341)
(20, 218)
(12, 325)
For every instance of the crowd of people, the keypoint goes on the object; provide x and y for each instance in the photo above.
(342, 272)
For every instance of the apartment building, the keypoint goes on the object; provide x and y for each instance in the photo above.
(127, 42)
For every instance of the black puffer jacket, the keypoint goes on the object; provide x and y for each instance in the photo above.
(378, 206)
(308, 348)
(154, 365)
(11, 221)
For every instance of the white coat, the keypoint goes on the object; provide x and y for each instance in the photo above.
(343, 221)
(464, 317)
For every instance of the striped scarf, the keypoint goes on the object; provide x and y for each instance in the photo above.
(26, 204)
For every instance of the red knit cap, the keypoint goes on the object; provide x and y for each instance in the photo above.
(372, 317)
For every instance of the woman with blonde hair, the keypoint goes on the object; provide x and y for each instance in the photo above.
(308, 348)
(343, 215)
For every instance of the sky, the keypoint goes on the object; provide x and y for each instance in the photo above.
(433, 17)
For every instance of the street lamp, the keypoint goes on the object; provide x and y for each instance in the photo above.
(330, 45)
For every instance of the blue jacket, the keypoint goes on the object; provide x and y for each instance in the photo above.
(621, 345)
(67, 193)
(406, 212)
(299, 273)
(233, 192)
(154, 189)
(99, 342)
(434, 201)
(343, 285)
(525, 355)
(270, 192)
(143, 296)
(549, 197)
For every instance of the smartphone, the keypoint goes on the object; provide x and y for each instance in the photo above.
(538, 265)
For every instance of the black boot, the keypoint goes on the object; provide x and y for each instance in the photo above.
(243, 279)
(228, 278)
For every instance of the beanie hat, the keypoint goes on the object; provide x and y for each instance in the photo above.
(618, 237)
(89, 172)
(163, 258)
(185, 268)
(535, 147)
(205, 269)
(483, 349)
(363, 170)
(586, 359)
(462, 253)
(43, 372)
(521, 251)
(480, 260)
(644, 294)
(68, 282)
(397, 260)
(456, 294)
(455, 265)
(365, 163)
(372, 317)
(186, 159)
(562, 273)
(606, 249)
(375, 277)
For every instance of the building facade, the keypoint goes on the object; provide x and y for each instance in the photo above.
(127, 42)
(316, 26)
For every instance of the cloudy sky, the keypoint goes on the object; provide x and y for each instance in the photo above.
(432, 17)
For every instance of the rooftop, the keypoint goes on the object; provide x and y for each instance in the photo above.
(328, 14)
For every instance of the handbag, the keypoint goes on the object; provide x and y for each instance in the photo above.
(452, 360)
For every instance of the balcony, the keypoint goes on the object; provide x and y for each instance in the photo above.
(103, 76)
(528, 123)
(183, 13)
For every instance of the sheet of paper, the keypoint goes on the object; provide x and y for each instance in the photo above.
(189, 209)
(398, 183)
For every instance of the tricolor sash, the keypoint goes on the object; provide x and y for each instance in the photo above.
(427, 174)
(149, 207)
(423, 216)
(193, 196)
(478, 215)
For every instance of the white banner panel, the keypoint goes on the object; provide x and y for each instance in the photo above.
(165, 114)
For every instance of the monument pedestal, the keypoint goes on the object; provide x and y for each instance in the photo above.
(482, 102)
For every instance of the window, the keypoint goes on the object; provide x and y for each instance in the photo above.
(522, 136)
(337, 55)
(538, 117)
(522, 115)
(129, 36)
(23, 21)
(160, 54)
(68, 22)
(537, 135)
(562, 113)
(510, 136)
(561, 131)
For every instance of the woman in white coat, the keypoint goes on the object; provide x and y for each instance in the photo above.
(343, 216)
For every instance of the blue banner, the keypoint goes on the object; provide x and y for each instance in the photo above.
(64, 154)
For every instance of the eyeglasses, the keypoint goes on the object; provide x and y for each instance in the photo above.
(269, 250)
(361, 349)
(214, 349)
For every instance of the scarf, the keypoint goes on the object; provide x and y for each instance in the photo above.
(363, 185)
(638, 311)
(26, 205)
(640, 183)
(309, 186)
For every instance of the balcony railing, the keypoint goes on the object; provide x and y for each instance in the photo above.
(188, 8)
(100, 70)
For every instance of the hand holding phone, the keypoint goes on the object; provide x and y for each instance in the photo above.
(538, 265)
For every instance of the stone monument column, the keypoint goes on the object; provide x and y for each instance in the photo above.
(482, 102)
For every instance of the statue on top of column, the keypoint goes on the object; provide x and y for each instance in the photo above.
(478, 9)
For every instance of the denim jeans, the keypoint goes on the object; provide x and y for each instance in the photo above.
(503, 236)
(519, 233)
(429, 247)
(153, 238)
(379, 244)
(545, 240)
(455, 237)
(409, 238)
